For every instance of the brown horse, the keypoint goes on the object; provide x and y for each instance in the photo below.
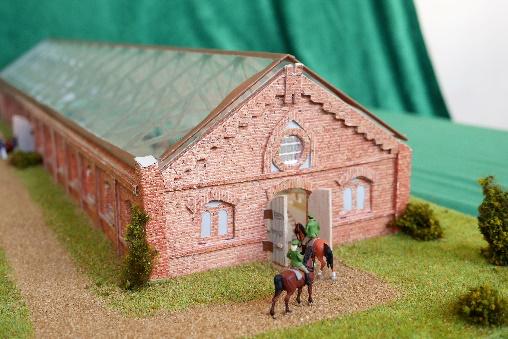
(320, 250)
(287, 281)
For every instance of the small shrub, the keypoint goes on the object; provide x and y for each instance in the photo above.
(21, 159)
(493, 221)
(483, 305)
(139, 261)
(419, 221)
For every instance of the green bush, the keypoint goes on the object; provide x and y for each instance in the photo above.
(21, 159)
(139, 261)
(493, 221)
(418, 220)
(483, 305)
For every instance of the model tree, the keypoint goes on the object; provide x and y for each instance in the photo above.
(493, 221)
(139, 260)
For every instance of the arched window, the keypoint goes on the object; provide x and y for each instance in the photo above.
(223, 222)
(206, 224)
(347, 199)
(356, 196)
(217, 221)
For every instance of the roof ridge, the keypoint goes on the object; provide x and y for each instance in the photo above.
(213, 51)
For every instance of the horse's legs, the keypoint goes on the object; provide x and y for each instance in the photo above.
(289, 293)
(299, 294)
(310, 294)
(323, 265)
(274, 300)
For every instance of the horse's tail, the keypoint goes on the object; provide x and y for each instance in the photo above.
(329, 256)
(277, 282)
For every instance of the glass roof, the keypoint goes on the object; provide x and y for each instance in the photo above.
(142, 100)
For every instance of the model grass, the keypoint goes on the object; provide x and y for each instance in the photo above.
(5, 130)
(14, 314)
(431, 276)
(95, 255)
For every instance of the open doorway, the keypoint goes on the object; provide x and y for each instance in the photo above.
(293, 205)
(23, 132)
(298, 204)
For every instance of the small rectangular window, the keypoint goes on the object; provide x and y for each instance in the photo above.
(347, 199)
(223, 222)
(360, 197)
(206, 224)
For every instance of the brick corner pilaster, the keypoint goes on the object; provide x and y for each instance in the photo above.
(151, 189)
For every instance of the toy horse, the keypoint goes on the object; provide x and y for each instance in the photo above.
(320, 250)
(288, 281)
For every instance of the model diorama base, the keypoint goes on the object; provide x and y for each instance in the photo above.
(71, 304)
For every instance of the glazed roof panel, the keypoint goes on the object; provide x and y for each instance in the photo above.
(142, 100)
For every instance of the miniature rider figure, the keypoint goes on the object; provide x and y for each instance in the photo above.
(312, 231)
(296, 259)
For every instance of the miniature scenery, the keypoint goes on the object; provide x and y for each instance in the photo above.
(251, 198)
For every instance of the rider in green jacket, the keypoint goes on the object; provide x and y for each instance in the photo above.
(312, 229)
(296, 259)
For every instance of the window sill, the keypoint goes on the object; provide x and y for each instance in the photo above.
(355, 216)
(211, 241)
(212, 246)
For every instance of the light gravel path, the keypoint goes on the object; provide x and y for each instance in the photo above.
(62, 306)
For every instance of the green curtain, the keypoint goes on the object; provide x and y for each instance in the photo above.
(449, 158)
(371, 49)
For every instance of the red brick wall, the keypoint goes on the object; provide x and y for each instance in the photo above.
(232, 163)
(152, 193)
(61, 160)
(72, 154)
(403, 177)
(49, 154)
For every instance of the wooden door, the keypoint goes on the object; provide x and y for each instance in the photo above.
(320, 207)
(278, 229)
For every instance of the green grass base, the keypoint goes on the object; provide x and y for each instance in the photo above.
(431, 275)
(95, 255)
(14, 315)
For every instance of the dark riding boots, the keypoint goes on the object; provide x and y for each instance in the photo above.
(307, 279)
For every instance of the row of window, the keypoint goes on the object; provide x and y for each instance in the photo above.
(217, 216)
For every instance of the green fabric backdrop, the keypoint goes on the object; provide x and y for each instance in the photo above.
(372, 49)
(448, 159)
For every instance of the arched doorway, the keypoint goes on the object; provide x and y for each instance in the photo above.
(23, 131)
(293, 205)
(297, 200)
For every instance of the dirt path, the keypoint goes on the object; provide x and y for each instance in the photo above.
(62, 306)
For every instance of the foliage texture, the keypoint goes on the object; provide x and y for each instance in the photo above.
(22, 160)
(483, 305)
(493, 221)
(419, 221)
(139, 260)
